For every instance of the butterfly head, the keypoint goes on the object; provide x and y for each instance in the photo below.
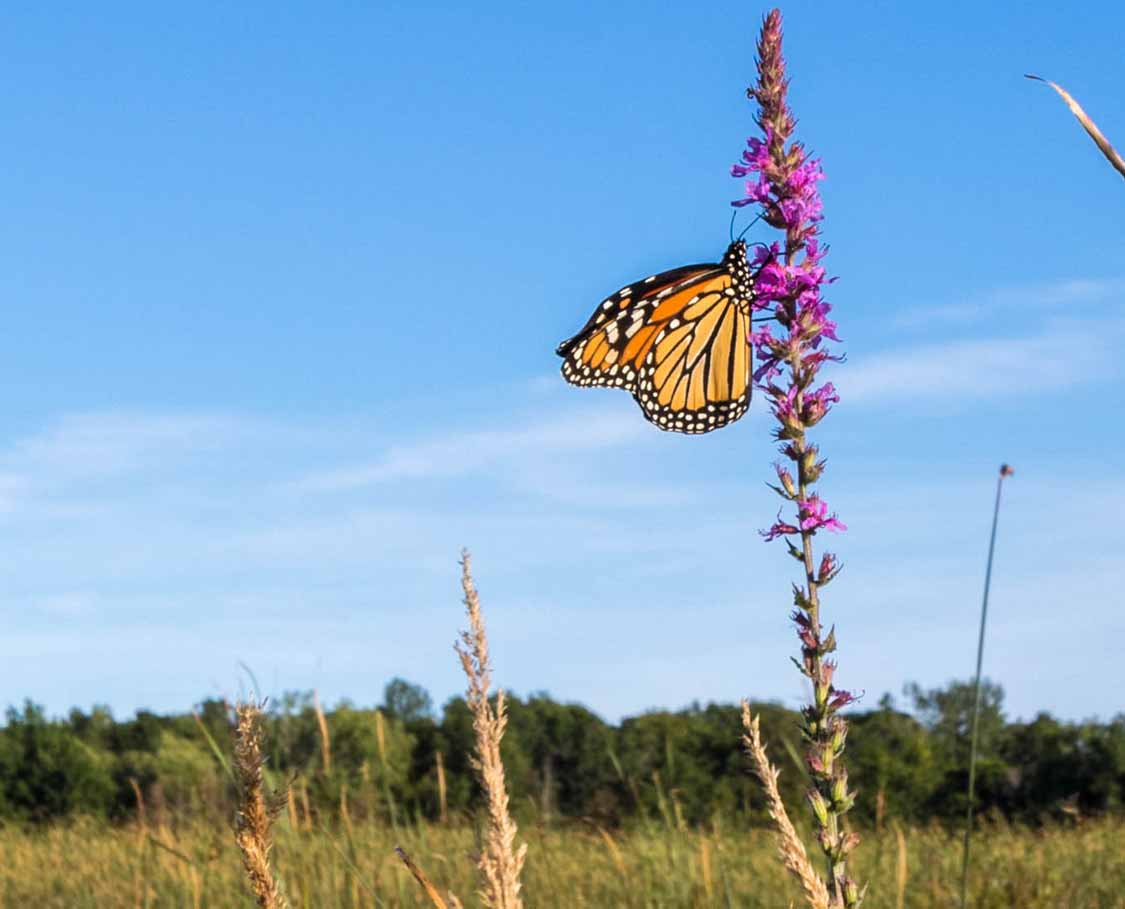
(735, 261)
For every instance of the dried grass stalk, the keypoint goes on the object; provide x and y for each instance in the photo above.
(790, 847)
(345, 813)
(381, 738)
(1087, 124)
(615, 852)
(431, 891)
(256, 809)
(500, 862)
(443, 809)
(705, 867)
(900, 869)
(325, 739)
(142, 814)
(306, 807)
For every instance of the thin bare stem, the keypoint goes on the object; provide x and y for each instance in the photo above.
(1005, 471)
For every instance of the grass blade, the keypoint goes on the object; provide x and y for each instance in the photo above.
(1087, 124)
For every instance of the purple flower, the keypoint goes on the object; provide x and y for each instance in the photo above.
(761, 337)
(819, 402)
(814, 516)
(779, 529)
(804, 630)
(785, 406)
(764, 253)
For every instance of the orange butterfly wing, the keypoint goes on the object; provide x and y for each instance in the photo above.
(679, 341)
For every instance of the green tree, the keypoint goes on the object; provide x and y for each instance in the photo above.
(564, 751)
(1077, 765)
(47, 772)
(947, 714)
(892, 757)
(407, 701)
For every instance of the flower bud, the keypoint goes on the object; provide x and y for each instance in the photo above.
(786, 479)
(827, 568)
(807, 664)
(819, 807)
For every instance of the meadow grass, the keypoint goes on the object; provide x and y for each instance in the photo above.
(88, 864)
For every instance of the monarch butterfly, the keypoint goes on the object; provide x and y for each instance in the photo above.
(679, 341)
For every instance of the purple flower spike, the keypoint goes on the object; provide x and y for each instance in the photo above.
(782, 181)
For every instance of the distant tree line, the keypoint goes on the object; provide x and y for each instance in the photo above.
(403, 761)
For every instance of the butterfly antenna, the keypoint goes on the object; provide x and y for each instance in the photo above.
(733, 215)
(748, 226)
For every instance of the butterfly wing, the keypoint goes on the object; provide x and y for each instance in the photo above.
(623, 324)
(677, 341)
(695, 376)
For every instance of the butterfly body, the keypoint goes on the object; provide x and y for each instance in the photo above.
(679, 341)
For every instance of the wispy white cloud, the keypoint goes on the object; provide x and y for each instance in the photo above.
(112, 442)
(465, 452)
(80, 464)
(983, 306)
(1062, 356)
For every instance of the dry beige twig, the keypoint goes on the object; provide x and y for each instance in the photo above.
(443, 809)
(1091, 128)
(256, 811)
(900, 869)
(789, 847)
(500, 862)
(431, 891)
(325, 739)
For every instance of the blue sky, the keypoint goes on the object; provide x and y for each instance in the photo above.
(282, 288)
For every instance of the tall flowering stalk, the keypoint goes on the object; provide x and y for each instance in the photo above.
(782, 181)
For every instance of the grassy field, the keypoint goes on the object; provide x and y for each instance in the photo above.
(87, 864)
